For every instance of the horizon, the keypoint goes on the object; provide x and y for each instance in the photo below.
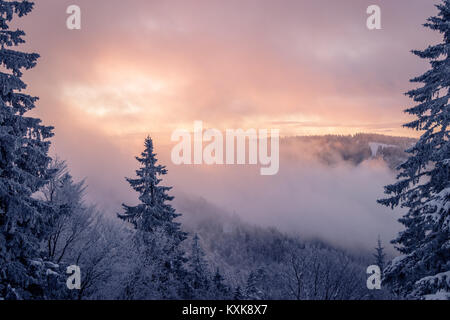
(128, 90)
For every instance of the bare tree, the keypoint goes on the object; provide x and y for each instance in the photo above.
(315, 273)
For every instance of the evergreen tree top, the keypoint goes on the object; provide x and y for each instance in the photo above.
(147, 183)
(154, 209)
(198, 255)
(148, 160)
(379, 253)
(430, 156)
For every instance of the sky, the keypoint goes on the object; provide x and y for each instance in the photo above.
(144, 67)
(150, 67)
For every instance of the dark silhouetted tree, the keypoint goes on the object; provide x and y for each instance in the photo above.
(379, 255)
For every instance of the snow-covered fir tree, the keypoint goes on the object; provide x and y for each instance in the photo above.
(154, 210)
(423, 186)
(198, 268)
(220, 289)
(24, 160)
(379, 255)
(238, 295)
(158, 237)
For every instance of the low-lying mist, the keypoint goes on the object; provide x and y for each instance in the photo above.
(311, 196)
(336, 204)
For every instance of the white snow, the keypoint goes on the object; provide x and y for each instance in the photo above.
(440, 295)
(51, 272)
(398, 260)
(439, 282)
(438, 204)
(374, 146)
(439, 277)
(36, 263)
(52, 265)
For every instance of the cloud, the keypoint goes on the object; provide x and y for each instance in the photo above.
(157, 65)
(308, 198)
(149, 67)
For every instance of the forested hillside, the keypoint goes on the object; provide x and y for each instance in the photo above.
(353, 149)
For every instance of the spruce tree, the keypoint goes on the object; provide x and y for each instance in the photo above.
(158, 237)
(24, 159)
(238, 294)
(154, 209)
(221, 290)
(198, 268)
(380, 255)
(423, 186)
